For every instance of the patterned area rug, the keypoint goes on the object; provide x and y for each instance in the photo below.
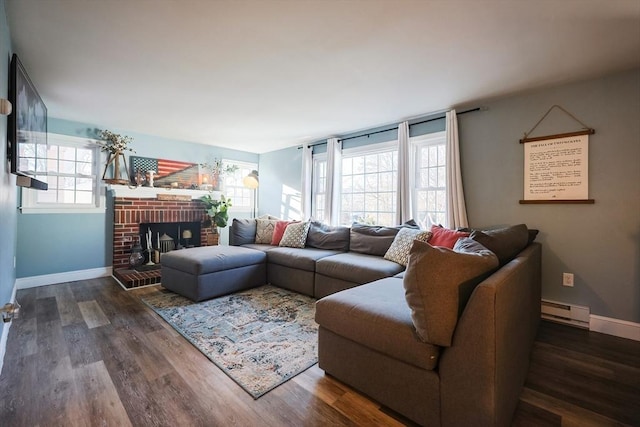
(260, 338)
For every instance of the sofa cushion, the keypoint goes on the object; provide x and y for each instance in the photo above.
(445, 237)
(243, 231)
(399, 249)
(278, 232)
(357, 268)
(506, 243)
(264, 230)
(436, 281)
(371, 239)
(259, 246)
(376, 316)
(295, 235)
(302, 259)
(323, 236)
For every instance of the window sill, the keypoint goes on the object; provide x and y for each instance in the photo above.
(70, 210)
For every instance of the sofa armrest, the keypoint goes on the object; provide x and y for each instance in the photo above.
(482, 373)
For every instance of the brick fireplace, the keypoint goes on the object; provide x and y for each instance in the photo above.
(142, 206)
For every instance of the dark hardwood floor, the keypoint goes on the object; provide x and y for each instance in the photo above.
(89, 353)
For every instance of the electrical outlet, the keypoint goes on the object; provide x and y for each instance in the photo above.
(567, 279)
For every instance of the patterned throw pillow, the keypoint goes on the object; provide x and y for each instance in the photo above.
(295, 235)
(264, 230)
(278, 232)
(399, 249)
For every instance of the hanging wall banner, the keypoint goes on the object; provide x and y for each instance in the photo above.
(557, 169)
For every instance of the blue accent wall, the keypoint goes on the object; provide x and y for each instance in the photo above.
(280, 183)
(598, 243)
(8, 191)
(58, 243)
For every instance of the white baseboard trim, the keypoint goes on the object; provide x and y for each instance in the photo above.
(617, 327)
(67, 276)
(5, 332)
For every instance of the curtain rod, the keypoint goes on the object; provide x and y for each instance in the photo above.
(393, 128)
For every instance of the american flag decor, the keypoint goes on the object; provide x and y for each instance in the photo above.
(161, 167)
(186, 174)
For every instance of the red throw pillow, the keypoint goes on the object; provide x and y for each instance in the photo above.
(278, 232)
(444, 237)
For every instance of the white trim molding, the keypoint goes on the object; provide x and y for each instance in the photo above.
(67, 276)
(5, 332)
(617, 327)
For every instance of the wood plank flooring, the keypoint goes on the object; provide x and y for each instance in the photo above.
(88, 353)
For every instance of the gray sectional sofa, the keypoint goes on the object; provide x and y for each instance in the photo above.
(333, 259)
(445, 342)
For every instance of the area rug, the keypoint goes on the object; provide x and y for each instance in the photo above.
(260, 338)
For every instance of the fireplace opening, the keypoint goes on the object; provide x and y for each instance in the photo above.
(168, 236)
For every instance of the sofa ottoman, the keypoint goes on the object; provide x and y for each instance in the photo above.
(210, 271)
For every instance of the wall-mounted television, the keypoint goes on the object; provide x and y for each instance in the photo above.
(26, 129)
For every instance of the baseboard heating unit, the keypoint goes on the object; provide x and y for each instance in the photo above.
(568, 314)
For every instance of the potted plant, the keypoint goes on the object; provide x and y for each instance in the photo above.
(217, 211)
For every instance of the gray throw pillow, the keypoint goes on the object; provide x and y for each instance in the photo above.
(375, 239)
(323, 236)
(506, 243)
(243, 231)
(433, 282)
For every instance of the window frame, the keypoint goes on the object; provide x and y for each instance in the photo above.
(417, 144)
(315, 185)
(29, 197)
(372, 149)
(252, 198)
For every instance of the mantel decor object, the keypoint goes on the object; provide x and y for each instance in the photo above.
(214, 173)
(115, 145)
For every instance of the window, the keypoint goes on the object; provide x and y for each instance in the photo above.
(241, 197)
(319, 188)
(70, 168)
(368, 186)
(430, 191)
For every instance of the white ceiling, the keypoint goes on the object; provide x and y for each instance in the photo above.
(259, 75)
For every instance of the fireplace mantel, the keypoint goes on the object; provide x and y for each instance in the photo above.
(152, 192)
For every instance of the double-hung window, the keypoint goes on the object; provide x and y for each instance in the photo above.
(430, 191)
(242, 198)
(368, 185)
(319, 186)
(70, 168)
